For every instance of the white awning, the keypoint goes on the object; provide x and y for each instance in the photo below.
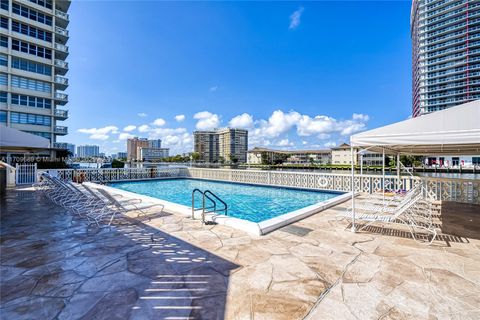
(451, 131)
(13, 140)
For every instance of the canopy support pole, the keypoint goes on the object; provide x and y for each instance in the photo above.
(398, 171)
(353, 189)
(383, 174)
(361, 163)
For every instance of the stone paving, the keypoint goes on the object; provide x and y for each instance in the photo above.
(55, 267)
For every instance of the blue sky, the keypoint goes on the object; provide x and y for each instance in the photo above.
(296, 74)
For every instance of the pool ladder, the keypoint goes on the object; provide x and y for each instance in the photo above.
(207, 194)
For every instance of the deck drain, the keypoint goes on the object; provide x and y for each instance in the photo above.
(296, 230)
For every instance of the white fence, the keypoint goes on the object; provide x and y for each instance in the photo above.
(25, 173)
(449, 189)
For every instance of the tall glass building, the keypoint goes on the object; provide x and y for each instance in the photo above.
(445, 53)
(33, 38)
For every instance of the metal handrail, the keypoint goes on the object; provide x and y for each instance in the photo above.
(207, 194)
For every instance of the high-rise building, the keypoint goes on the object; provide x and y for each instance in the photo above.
(87, 151)
(132, 146)
(33, 38)
(233, 144)
(445, 53)
(155, 143)
(221, 144)
(67, 146)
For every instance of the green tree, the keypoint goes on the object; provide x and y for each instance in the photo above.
(195, 156)
(117, 164)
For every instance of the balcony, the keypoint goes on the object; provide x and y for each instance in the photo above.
(61, 98)
(61, 15)
(61, 67)
(61, 51)
(61, 34)
(61, 82)
(61, 114)
(61, 130)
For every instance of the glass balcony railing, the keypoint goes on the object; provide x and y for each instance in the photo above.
(61, 47)
(61, 113)
(61, 63)
(61, 96)
(60, 130)
(61, 31)
(61, 80)
(61, 14)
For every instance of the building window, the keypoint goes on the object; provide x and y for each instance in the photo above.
(4, 41)
(3, 116)
(4, 23)
(3, 79)
(3, 96)
(31, 101)
(4, 4)
(31, 14)
(31, 66)
(476, 161)
(44, 3)
(28, 118)
(30, 48)
(30, 84)
(3, 60)
(31, 31)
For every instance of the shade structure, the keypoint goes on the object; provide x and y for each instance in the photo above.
(13, 140)
(454, 131)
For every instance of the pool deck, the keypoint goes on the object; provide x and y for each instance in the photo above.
(55, 267)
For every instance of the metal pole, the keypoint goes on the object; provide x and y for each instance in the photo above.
(353, 190)
(383, 173)
(361, 163)
(398, 171)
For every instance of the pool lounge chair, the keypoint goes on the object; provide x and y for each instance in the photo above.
(123, 205)
(411, 213)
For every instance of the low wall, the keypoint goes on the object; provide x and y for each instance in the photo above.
(446, 189)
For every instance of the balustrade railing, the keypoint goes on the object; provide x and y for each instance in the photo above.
(447, 189)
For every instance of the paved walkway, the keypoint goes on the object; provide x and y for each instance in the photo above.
(53, 266)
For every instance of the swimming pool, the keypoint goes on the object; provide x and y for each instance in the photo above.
(247, 202)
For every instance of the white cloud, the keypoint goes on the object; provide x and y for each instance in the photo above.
(284, 143)
(213, 89)
(295, 18)
(322, 125)
(99, 133)
(244, 121)
(143, 128)
(329, 144)
(179, 140)
(142, 114)
(125, 136)
(159, 122)
(129, 128)
(180, 117)
(206, 120)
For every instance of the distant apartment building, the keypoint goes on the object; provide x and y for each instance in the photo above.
(155, 143)
(87, 151)
(445, 52)
(226, 144)
(233, 144)
(342, 155)
(67, 146)
(121, 155)
(33, 38)
(205, 143)
(453, 161)
(133, 145)
(152, 154)
(271, 156)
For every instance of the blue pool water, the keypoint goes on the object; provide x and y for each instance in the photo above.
(247, 202)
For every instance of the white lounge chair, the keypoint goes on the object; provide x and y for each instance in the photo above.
(410, 213)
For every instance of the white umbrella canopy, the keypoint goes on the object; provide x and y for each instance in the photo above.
(13, 140)
(454, 130)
